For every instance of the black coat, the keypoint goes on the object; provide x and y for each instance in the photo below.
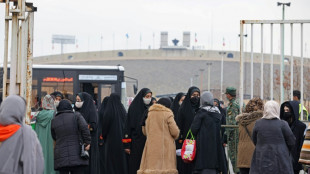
(273, 142)
(64, 130)
(298, 129)
(206, 127)
(184, 119)
(90, 114)
(113, 126)
(136, 114)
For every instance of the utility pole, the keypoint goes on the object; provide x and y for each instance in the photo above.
(282, 50)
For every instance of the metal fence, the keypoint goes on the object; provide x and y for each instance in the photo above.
(271, 23)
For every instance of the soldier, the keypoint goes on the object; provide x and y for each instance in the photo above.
(232, 111)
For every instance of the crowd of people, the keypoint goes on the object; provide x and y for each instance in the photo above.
(79, 138)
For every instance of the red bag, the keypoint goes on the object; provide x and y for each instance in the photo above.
(188, 151)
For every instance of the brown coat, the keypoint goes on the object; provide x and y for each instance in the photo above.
(246, 146)
(159, 154)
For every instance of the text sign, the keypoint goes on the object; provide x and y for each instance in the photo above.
(98, 77)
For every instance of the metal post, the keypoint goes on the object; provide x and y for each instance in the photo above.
(262, 64)
(282, 64)
(191, 79)
(23, 58)
(271, 63)
(209, 76)
(222, 72)
(241, 66)
(282, 57)
(222, 78)
(292, 63)
(302, 71)
(14, 51)
(252, 63)
(6, 48)
(201, 77)
(29, 65)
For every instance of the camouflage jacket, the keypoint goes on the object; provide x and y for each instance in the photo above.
(233, 110)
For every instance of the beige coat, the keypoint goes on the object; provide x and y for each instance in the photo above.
(246, 146)
(159, 154)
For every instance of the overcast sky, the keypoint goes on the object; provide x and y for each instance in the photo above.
(95, 22)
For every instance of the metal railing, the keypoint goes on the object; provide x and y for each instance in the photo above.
(282, 23)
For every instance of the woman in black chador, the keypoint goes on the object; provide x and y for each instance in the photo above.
(113, 125)
(185, 118)
(100, 140)
(85, 105)
(135, 115)
(175, 106)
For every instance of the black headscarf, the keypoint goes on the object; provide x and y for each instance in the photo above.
(187, 112)
(88, 109)
(103, 106)
(137, 108)
(187, 105)
(100, 119)
(64, 106)
(114, 109)
(175, 104)
(165, 102)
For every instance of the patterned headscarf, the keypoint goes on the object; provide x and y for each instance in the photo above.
(48, 103)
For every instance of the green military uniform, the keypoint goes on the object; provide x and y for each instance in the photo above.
(233, 110)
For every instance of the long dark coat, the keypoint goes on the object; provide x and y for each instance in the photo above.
(100, 138)
(65, 129)
(273, 140)
(113, 124)
(136, 112)
(298, 129)
(90, 114)
(206, 127)
(184, 119)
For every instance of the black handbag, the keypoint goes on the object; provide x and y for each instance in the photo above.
(84, 153)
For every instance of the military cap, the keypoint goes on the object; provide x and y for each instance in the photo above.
(231, 91)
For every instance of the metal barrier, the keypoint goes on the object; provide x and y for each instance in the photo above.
(282, 23)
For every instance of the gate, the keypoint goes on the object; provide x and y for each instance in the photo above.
(281, 24)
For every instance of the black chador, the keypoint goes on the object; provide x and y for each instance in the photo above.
(100, 138)
(185, 118)
(135, 115)
(89, 112)
(113, 125)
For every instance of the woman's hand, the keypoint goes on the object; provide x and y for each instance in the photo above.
(87, 147)
(127, 151)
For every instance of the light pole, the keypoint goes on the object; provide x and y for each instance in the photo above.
(201, 77)
(223, 53)
(196, 80)
(209, 75)
(282, 50)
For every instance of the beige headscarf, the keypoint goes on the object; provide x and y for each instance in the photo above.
(271, 110)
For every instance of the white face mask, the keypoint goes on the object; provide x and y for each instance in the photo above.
(79, 104)
(180, 103)
(56, 103)
(147, 101)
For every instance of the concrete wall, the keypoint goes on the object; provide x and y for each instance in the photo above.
(171, 71)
